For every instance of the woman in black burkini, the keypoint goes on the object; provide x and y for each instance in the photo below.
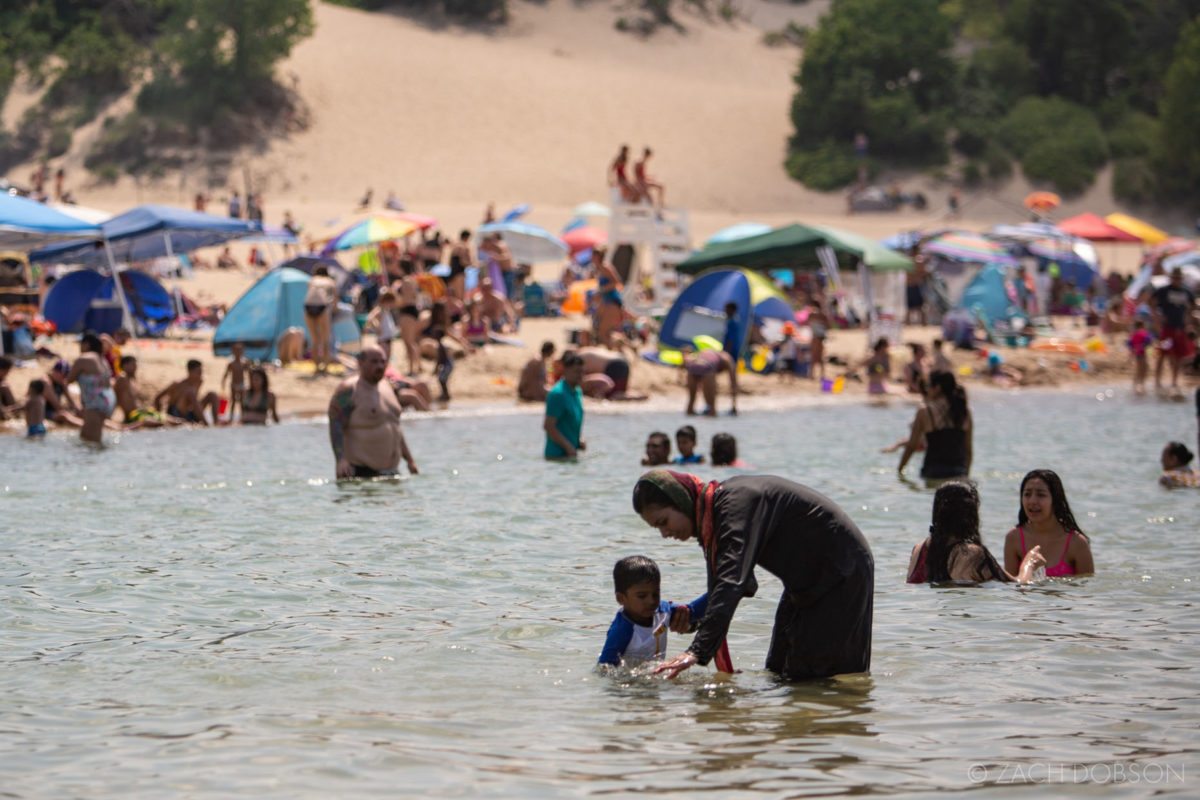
(823, 623)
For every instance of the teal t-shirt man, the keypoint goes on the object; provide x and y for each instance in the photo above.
(563, 423)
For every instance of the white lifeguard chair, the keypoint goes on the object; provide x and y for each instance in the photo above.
(660, 238)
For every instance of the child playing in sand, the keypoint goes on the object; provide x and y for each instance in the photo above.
(639, 631)
(382, 321)
(35, 408)
(685, 440)
(235, 372)
(1139, 341)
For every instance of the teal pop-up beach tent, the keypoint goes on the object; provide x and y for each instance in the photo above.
(261, 315)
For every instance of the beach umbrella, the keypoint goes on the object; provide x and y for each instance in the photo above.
(1042, 202)
(25, 224)
(420, 220)
(1136, 227)
(1028, 232)
(527, 243)
(1181, 260)
(306, 264)
(903, 241)
(1176, 244)
(584, 238)
(741, 230)
(576, 222)
(591, 209)
(372, 230)
(516, 212)
(971, 247)
(1079, 250)
(1089, 226)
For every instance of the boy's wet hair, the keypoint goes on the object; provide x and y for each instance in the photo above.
(193, 364)
(632, 570)
(37, 386)
(686, 431)
(127, 360)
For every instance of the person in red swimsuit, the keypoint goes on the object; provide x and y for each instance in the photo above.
(618, 178)
(1045, 520)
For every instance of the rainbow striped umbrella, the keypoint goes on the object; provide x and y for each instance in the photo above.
(372, 230)
(963, 246)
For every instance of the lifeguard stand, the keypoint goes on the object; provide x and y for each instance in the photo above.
(660, 239)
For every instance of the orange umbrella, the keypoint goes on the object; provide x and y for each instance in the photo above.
(1042, 201)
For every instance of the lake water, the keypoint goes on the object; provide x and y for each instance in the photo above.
(205, 614)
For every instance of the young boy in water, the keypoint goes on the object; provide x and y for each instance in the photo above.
(685, 440)
(639, 631)
(35, 408)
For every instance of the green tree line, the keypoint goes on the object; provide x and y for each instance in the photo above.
(1062, 87)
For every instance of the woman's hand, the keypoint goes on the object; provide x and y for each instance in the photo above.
(1032, 561)
(676, 665)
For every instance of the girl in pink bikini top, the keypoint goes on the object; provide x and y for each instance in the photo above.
(1047, 515)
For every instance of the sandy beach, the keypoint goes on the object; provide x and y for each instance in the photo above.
(452, 118)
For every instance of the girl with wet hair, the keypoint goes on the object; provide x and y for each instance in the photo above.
(954, 551)
(1176, 472)
(1045, 520)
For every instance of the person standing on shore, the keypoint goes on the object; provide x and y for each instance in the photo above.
(364, 422)
(563, 422)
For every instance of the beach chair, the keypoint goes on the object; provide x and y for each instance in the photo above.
(535, 301)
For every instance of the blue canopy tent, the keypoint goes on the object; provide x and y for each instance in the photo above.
(700, 308)
(149, 232)
(267, 309)
(87, 300)
(25, 224)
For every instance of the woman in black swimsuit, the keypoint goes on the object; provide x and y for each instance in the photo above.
(944, 423)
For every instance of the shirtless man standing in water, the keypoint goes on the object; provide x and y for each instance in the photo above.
(364, 422)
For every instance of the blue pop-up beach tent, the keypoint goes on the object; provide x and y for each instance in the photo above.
(149, 232)
(25, 224)
(87, 300)
(700, 308)
(267, 309)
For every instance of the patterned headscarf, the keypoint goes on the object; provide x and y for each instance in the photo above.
(691, 496)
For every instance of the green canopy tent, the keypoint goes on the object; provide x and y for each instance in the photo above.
(815, 247)
(796, 247)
